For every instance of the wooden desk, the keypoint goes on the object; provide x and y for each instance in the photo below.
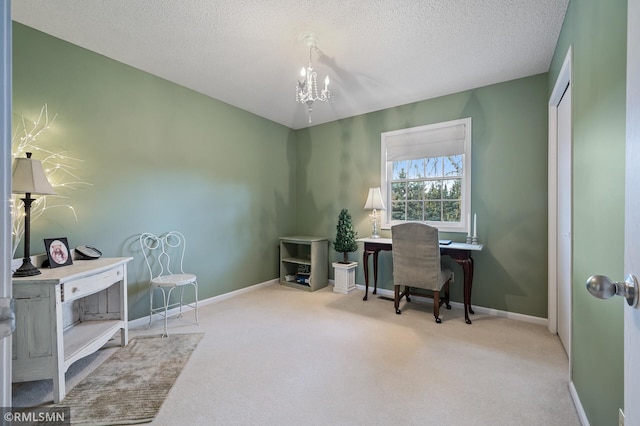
(459, 252)
(65, 314)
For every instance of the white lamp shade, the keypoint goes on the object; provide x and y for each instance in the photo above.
(374, 200)
(28, 177)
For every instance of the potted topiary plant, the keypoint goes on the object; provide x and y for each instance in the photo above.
(345, 243)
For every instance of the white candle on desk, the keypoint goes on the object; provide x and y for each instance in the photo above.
(475, 229)
(469, 223)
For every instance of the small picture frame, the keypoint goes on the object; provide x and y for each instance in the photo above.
(58, 252)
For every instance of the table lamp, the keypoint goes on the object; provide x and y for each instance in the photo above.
(28, 178)
(374, 202)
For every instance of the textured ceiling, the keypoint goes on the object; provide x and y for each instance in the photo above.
(248, 53)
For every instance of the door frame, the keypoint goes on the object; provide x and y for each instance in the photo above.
(5, 157)
(564, 78)
(632, 228)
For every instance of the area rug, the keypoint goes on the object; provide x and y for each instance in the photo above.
(131, 385)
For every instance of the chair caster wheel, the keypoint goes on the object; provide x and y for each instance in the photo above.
(398, 311)
(448, 306)
(408, 299)
(438, 320)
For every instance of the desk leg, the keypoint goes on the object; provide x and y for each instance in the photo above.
(464, 259)
(467, 269)
(365, 263)
(373, 249)
(471, 267)
(375, 271)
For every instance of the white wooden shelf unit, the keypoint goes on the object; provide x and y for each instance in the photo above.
(308, 251)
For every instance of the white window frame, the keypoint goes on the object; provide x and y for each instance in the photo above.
(406, 138)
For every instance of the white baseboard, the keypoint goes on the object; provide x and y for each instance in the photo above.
(476, 309)
(138, 322)
(381, 291)
(576, 401)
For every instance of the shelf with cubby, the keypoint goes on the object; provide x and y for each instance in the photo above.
(304, 262)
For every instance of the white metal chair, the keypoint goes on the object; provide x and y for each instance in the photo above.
(164, 256)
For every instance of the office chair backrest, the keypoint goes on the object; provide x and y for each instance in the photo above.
(416, 256)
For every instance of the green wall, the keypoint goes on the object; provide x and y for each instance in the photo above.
(159, 157)
(597, 31)
(339, 161)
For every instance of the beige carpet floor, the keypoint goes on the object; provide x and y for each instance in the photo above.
(282, 356)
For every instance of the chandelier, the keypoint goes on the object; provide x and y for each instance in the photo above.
(306, 87)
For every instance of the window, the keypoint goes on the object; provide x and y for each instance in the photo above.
(426, 175)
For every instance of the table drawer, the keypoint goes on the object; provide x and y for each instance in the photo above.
(89, 285)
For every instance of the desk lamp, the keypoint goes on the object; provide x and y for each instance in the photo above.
(374, 202)
(28, 178)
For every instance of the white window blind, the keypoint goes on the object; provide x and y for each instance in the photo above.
(440, 142)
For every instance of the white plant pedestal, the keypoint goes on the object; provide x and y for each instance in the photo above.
(344, 277)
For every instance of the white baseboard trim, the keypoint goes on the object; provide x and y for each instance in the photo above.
(381, 291)
(476, 309)
(576, 401)
(138, 322)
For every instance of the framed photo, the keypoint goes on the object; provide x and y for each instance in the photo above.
(58, 252)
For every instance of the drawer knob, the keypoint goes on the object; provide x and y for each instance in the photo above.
(74, 289)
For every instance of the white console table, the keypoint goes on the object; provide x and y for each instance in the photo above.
(65, 314)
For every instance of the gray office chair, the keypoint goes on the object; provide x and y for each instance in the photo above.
(416, 264)
(164, 256)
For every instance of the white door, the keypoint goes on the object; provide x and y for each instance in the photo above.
(632, 217)
(560, 206)
(564, 240)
